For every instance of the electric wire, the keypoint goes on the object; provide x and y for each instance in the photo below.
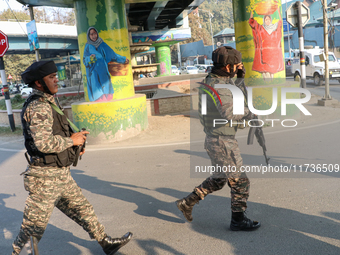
(16, 17)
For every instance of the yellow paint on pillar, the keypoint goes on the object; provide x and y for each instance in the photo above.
(106, 119)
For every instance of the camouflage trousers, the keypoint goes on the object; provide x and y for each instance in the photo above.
(224, 151)
(44, 195)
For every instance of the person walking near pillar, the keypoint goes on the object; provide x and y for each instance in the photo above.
(220, 142)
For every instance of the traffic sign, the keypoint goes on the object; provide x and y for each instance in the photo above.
(9, 77)
(3, 43)
(292, 14)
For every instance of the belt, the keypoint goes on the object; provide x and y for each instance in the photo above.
(222, 136)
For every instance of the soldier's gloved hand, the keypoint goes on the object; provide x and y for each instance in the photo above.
(250, 116)
(79, 138)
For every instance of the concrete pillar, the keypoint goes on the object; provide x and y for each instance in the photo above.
(262, 48)
(112, 111)
(163, 57)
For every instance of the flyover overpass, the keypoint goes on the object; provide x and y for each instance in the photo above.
(149, 14)
(54, 39)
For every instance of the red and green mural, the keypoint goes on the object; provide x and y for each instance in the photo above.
(259, 37)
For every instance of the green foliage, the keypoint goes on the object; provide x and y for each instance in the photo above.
(17, 102)
(13, 14)
(15, 64)
(223, 15)
(41, 14)
(198, 32)
(199, 22)
(6, 131)
(17, 99)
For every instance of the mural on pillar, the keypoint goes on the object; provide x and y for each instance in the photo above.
(164, 58)
(101, 62)
(258, 34)
(175, 34)
(104, 50)
(267, 39)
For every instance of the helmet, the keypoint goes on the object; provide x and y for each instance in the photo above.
(226, 55)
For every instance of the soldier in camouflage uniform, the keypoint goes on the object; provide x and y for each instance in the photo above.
(220, 142)
(51, 144)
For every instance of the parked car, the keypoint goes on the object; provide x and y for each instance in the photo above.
(189, 70)
(209, 68)
(174, 70)
(315, 66)
(202, 69)
(25, 91)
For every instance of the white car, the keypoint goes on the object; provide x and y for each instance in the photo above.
(315, 65)
(25, 91)
(174, 70)
(189, 70)
(204, 68)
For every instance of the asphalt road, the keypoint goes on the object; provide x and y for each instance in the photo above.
(334, 88)
(134, 189)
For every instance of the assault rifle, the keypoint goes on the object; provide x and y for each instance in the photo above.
(257, 131)
(34, 246)
(79, 149)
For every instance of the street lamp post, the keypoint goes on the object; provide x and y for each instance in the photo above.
(325, 30)
(288, 34)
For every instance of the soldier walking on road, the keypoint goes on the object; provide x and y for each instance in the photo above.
(51, 145)
(220, 142)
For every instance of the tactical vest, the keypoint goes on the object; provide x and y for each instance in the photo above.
(207, 120)
(60, 127)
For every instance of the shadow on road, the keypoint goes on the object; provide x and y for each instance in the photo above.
(283, 231)
(146, 205)
(53, 239)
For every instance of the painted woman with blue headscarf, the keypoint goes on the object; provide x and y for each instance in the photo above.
(97, 55)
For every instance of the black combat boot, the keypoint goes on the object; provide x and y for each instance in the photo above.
(186, 204)
(239, 221)
(112, 245)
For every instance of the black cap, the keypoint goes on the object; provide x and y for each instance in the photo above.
(38, 70)
(226, 55)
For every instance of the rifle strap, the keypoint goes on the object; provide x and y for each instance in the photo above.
(57, 109)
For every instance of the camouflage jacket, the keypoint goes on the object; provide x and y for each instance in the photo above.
(39, 118)
(220, 111)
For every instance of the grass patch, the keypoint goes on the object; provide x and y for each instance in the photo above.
(6, 131)
(17, 102)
